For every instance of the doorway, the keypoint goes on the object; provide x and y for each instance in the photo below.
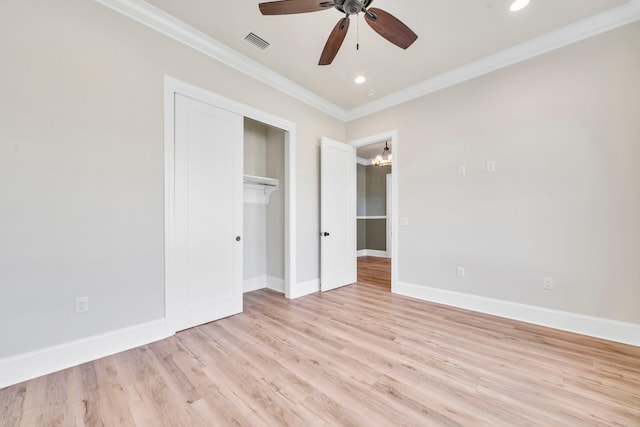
(376, 210)
(264, 186)
(176, 257)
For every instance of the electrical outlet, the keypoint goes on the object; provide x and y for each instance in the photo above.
(460, 272)
(491, 166)
(82, 305)
(547, 283)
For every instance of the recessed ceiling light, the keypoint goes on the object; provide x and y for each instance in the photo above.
(371, 93)
(518, 5)
(360, 79)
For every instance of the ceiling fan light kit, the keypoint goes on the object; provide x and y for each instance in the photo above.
(383, 23)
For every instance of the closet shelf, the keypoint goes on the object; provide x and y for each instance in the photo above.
(258, 189)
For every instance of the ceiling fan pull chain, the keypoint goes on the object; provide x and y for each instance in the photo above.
(358, 32)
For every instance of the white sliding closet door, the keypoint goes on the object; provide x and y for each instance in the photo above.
(204, 251)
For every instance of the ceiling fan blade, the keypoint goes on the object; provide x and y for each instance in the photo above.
(390, 27)
(334, 41)
(286, 7)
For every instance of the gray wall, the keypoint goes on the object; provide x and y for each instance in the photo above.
(254, 241)
(82, 181)
(255, 148)
(376, 234)
(263, 243)
(372, 201)
(377, 190)
(82, 167)
(361, 175)
(362, 234)
(275, 209)
(564, 202)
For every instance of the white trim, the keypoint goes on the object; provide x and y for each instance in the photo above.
(564, 36)
(172, 27)
(372, 252)
(389, 203)
(275, 284)
(306, 288)
(364, 162)
(627, 333)
(168, 25)
(392, 136)
(254, 283)
(262, 282)
(372, 217)
(26, 366)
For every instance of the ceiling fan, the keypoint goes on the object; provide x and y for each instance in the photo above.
(385, 24)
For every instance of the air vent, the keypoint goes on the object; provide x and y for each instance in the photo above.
(257, 41)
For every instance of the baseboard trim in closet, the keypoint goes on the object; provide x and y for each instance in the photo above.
(255, 283)
(275, 284)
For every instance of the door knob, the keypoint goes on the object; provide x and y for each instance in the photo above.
(325, 234)
(237, 238)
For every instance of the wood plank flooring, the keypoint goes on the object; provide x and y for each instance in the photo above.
(375, 271)
(355, 356)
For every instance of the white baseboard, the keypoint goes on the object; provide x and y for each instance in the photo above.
(626, 333)
(254, 283)
(305, 288)
(26, 366)
(275, 284)
(261, 282)
(372, 252)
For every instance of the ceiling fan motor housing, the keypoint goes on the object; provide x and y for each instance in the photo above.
(352, 7)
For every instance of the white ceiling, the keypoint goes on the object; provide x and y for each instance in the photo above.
(451, 33)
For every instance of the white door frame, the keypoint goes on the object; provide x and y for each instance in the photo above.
(391, 135)
(173, 86)
(389, 213)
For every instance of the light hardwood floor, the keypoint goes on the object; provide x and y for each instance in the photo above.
(355, 356)
(375, 271)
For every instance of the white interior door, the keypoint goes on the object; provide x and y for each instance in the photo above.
(338, 262)
(204, 251)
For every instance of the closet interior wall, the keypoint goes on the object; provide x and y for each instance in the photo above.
(263, 249)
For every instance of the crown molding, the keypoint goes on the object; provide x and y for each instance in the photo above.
(168, 25)
(364, 162)
(564, 36)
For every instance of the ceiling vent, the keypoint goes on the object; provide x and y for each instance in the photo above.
(257, 41)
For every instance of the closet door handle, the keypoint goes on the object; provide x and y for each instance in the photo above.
(238, 238)
(325, 234)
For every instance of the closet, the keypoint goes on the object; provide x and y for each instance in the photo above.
(263, 207)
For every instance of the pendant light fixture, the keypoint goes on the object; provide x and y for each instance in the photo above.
(380, 159)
